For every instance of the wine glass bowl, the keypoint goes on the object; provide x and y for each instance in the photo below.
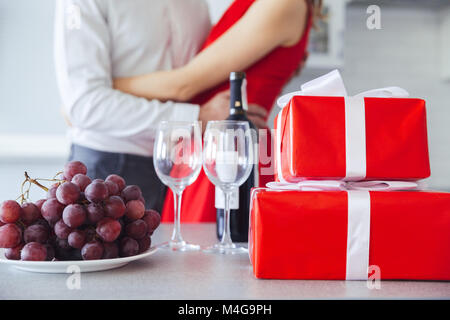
(177, 157)
(228, 162)
(227, 153)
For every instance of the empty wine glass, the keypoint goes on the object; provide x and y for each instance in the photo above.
(177, 158)
(227, 161)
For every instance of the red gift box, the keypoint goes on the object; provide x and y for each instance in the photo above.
(304, 234)
(316, 139)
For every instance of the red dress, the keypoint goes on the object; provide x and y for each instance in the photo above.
(265, 80)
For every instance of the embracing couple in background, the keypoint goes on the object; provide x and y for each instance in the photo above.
(131, 64)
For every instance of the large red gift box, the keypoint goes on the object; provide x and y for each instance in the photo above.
(314, 135)
(303, 234)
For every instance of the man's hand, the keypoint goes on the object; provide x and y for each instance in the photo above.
(217, 108)
(257, 115)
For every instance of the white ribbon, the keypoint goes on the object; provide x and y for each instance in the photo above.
(358, 235)
(331, 84)
(355, 138)
(339, 185)
(358, 222)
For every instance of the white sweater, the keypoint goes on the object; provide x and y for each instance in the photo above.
(97, 40)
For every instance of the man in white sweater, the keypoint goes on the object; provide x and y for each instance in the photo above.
(98, 40)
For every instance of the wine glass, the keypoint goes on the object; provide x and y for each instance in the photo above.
(177, 158)
(228, 162)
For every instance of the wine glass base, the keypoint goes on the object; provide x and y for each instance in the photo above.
(179, 246)
(226, 249)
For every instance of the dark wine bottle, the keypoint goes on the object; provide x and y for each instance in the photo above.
(240, 199)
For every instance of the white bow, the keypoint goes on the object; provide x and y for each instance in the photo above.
(331, 84)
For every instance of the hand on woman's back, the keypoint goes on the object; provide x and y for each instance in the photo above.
(217, 108)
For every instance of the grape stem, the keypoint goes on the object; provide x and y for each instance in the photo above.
(27, 178)
(26, 193)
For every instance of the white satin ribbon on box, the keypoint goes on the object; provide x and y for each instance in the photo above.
(331, 84)
(340, 185)
(358, 210)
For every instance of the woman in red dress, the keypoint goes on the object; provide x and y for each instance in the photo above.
(265, 38)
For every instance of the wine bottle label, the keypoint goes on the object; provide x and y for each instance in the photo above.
(227, 162)
(220, 199)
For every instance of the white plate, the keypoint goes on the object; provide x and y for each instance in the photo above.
(63, 266)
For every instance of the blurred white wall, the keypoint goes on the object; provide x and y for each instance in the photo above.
(405, 52)
(29, 98)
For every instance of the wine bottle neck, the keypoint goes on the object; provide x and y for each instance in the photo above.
(236, 101)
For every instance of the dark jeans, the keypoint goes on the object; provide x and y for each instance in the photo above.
(134, 169)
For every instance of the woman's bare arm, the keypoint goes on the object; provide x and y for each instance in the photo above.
(267, 25)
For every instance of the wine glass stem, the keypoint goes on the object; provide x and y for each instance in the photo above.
(176, 235)
(226, 236)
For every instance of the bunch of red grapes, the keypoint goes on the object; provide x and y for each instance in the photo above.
(80, 219)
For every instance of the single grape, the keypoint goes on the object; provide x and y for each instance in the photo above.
(135, 210)
(136, 229)
(68, 193)
(152, 218)
(108, 229)
(81, 180)
(111, 250)
(34, 251)
(77, 239)
(10, 236)
(9, 211)
(73, 168)
(144, 244)
(113, 188)
(74, 215)
(62, 230)
(36, 233)
(96, 191)
(52, 210)
(92, 250)
(114, 207)
(128, 247)
(39, 204)
(14, 253)
(117, 180)
(95, 213)
(51, 193)
(30, 213)
(132, 192)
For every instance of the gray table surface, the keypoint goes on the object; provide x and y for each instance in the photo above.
(197, 275)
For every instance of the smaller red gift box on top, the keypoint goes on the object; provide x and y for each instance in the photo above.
(307, 235)
(314, 138)
(322, 133)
